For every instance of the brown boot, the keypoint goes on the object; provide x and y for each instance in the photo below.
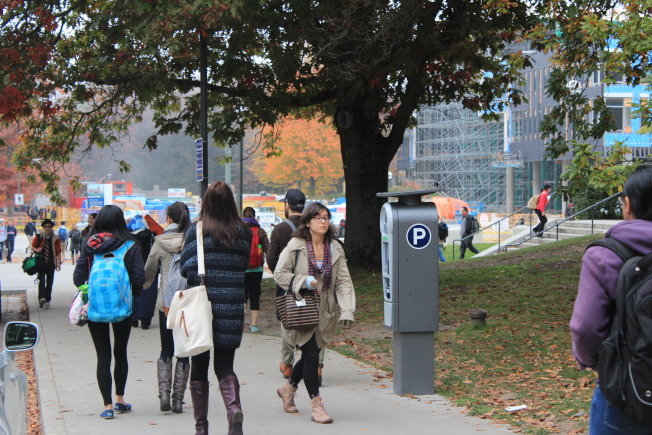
(286, 393)
(286, 370)
(164, 373)
(230, 389)
(199, 393)
(179, 386)
(318, 412)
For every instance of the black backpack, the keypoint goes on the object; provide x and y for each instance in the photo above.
(75, 236)
(443, 231)
(475, 227)
(625, 357)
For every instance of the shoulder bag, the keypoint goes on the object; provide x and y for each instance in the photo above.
(298, 314)
(190, 316)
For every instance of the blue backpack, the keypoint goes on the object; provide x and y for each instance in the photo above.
(63, 234)
(109, 287)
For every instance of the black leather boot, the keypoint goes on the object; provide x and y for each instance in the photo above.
(199, 393)
(230, 389)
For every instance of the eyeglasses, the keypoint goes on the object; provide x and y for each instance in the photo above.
(48, 226)
(320, 218)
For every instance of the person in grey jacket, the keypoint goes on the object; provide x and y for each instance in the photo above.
(466, 228)
(596, 296)
(160, 257)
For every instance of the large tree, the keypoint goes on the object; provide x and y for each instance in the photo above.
(367, 64)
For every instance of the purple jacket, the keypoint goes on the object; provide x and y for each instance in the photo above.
(597, 289)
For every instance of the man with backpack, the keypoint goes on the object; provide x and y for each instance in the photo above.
(30, 230)
(468, 226)
(612, 314)
(63, 236)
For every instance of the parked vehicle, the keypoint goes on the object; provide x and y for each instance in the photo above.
(17, 337)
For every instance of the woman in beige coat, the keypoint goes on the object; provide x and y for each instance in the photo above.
(160, 258)
(319, 264)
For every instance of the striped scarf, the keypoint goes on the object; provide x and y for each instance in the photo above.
(327, 267)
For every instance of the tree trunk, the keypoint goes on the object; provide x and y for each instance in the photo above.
(312, 182)
(365, 169)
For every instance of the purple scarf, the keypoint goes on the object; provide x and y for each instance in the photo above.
(327, 267)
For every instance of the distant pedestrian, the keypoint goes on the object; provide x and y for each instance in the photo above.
(442, 230)
(49, 246)
(318, 265)
(160, 258)
(63, 236)
(227, 245)
(30, 230)
(541, 210)
(595, 305)
(53, 214)
(75, 243)
(466, 229)
(86, 232)
(109, 234)
(11, 238)
(254, 276)
(3, 237)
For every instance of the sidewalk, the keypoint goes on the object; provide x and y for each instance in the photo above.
(353, 396)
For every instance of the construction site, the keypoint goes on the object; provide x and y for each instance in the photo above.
(457, 151)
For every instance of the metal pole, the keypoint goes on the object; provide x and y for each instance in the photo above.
(241, 196)
(203, 109)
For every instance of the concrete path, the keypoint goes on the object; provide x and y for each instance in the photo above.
(357, 396)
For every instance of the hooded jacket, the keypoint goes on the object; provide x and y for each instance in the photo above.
(133, 262)
(165, 246)
(597, 289)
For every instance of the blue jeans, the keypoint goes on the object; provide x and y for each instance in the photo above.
(605, 419)
(441, 254)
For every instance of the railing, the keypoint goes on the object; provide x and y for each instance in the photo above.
(489, 226)
(556, 226)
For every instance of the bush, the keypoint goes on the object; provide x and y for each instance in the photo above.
(607, 210)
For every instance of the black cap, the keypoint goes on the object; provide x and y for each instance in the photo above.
(46, 222)
(296, 199)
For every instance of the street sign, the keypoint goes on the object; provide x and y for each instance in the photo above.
(418, 236)
(18, 199)
(199, 150)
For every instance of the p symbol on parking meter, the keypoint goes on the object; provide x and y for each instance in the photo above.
(418, 236)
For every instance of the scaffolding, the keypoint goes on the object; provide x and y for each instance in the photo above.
(456, 149)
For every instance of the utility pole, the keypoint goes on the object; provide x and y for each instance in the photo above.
(203, 109)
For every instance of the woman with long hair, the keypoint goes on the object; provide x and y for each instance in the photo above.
(160, 258)
(594, 310)
(318, 264)
(254, 276)
(109, 234)
(227, 244)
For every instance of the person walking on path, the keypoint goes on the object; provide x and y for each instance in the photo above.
(281, 235)
(11, 238)
(227, 245)
(254, 276)
(466, 228)
(30, 231)
(49, 246)
(160, 258)
(110, 234)
(3, 237)
(86, 232)
(596, 297)
(63, 236)
(75, 243)
(318, 265)
(541, 210)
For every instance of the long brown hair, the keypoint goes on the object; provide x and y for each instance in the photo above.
(219, 214)
(303, 232)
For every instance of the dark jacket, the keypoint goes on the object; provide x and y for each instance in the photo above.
(597, 289)
(281, 236)
(133, 263)
(30, 229)
(224, 280)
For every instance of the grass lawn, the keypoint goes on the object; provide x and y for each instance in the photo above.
(523, 354)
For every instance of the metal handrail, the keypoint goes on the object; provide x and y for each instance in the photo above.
(489, 226)
(556, 226)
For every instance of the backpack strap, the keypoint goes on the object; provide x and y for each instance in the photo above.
(624, 252)
(291, 224)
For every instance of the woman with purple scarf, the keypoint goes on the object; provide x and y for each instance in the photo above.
(318, 263)
(254, 276)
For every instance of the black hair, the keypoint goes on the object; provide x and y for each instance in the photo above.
(249, 212)
(638, 188)
(94, 215)
(464, 208)
(111, 219)
(303, 231)
(180, 215)
(546, 187)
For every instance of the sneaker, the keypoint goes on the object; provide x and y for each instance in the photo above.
(47, 305)
(254, 328)
(41, 303)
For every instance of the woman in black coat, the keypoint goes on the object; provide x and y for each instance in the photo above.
(227, 245)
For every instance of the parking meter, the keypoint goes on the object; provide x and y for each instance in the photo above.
(410, 272)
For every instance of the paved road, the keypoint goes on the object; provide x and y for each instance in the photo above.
(355, 395)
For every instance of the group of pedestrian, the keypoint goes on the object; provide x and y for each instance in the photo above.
(232, 280)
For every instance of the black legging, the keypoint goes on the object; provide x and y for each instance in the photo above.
(167, 340)
(307, 368)
(102, 341)
(223, 364)
(45, 281)
(542, 221)
(252, 289)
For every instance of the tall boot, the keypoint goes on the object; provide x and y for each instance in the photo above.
(199, 393)
(230, 389)
(164, 373)
(179, 386)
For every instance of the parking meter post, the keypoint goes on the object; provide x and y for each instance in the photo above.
(410, 273)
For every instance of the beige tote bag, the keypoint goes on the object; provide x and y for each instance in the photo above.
(190, 317)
